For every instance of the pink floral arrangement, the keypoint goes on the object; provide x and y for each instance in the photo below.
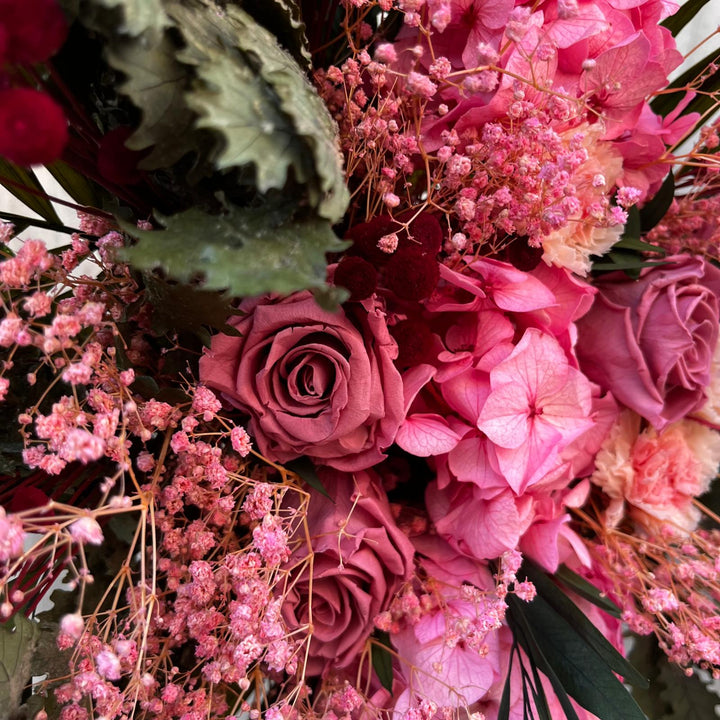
(378, 377)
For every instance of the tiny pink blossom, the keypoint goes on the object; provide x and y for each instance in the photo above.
(4, 386)
(11, 536)
(240, 440)
(108, 665)
(72, 625)
(86, 530)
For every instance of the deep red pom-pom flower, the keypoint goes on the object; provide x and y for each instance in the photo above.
(33, 30)
(33, 129)
(358, 276)
(415, 343)
(412, 275)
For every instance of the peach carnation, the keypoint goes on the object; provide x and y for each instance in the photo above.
(657, 473)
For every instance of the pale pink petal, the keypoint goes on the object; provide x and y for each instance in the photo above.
(426, 434)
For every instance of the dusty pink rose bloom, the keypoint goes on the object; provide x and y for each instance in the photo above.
(313, 382)
(650, 341)
(360, 560)
(659, 473)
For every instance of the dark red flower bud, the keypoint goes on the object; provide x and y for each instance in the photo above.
(117, 162)
(365, 239)
(33, 129)
(411, 274)
(34, 30)
(415, 343)
(358, 276)
(427, 233)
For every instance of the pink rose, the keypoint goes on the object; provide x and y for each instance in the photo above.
(359, 561)
(313, 382)
(651, 341)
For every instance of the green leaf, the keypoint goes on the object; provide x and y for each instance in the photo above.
(259, 100)
(570, 662)
(568, 611)
(632, 226)
(628, 243)
(647, 657)
(688, 696)
(382, 659)
(27, 179)
(283, 19)
(138, 15)
(179, 307)
(654, 211)
(77, 186)
(703, 101)
(675, 23)
(586, 590)
(247, 251)
(522, 631)
(156, 82)
(305, 470)
(18, 637)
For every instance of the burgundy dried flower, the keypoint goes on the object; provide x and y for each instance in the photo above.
(358, 276)
(412, 275)
(31, 31)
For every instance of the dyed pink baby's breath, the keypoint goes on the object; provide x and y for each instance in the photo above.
(86, 530)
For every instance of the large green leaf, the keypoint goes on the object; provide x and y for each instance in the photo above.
(254, 94)
(18, 636)
(21, 183)
(246, 251)
(654, 211)
(284, 20)
(156, 82)
(299, 100)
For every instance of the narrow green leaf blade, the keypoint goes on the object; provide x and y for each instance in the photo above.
(21, 182)
(77, 186)
(382, 660)
(654, 211)
(305, 470)
(586, 590)
(523, 630)
(675, 23)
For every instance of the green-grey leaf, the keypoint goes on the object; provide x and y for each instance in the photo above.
(22, 182)
(18, 636)
(155, 82)
(247, 251)
(284, 20)
(299, 100)
(257, 98)
(138, 15)
(235, 101)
